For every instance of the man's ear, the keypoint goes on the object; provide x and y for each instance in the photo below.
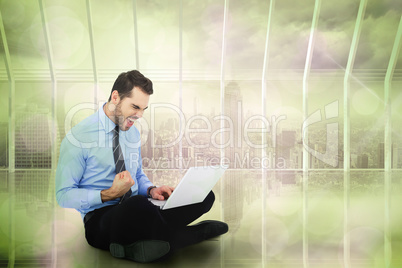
(115, 99)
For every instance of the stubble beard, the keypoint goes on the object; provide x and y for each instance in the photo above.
(118, 116)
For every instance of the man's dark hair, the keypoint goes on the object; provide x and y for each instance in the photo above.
(125, 82)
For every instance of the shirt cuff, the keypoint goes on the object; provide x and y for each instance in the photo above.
(94, 197)
(143, 189)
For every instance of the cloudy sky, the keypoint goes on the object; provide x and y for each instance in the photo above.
(158, 34)
(158, 27)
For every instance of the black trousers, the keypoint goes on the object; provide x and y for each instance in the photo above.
(138, 219)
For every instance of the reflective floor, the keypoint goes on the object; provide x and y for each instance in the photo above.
(289, 229)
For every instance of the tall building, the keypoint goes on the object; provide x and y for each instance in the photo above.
(285, 147)
(362, 161)
(286, 177)
(4, 145)
(340, 157)
(233, 109)
(381, 155)
(33, 138)
(188, 152)
(399, 152)
(233, 198)
(395, 156)
(146, 149)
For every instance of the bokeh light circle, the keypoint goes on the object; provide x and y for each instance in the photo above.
(365, 102)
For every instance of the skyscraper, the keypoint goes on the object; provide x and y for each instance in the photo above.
(286, 146)
(381, 155)
(233, 109)
(4, 145)
(33, 138)
(395, 156)
(362, 161)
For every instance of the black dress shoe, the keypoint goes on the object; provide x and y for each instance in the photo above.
(141, 251)
(194, 234)
(210, 229)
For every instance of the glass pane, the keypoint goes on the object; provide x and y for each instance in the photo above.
(243, 106)
(25, 38)
(395, 217)
(376, 39)
(202, 36)
(201, 103)
(283, 216)
(4, 119)
(33, 125)
(68, 31)
(366, 225)
(105, 87)
(33, 204)
(160, 127)
(241, 209)
(396, 106)
(158, 34)
(333, 36)
(245, 39)
(5, 219)
(325, 137)
(325, 217)
(75, 102)
(113, 34)
(290, 33)
(285, 115)
(367, 124)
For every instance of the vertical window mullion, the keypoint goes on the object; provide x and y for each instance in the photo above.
(49, 53)
(137, 56)
(222, 98)
(263, 133)
(181, 80)
(346, 133)
(306, 73)
(11, 144)
(388, 144)
(93, 58)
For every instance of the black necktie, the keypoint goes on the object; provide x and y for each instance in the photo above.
(119, 159)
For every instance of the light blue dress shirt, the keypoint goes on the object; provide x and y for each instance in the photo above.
(86, 164)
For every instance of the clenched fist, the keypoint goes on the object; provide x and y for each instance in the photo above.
(121, 184)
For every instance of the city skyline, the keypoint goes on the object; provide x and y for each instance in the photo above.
(360, 148)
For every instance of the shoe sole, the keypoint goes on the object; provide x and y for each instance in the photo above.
(140, 251)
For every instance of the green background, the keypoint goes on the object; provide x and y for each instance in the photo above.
(242, 58)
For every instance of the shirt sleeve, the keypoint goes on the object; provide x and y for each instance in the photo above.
(142, 179)
(70, 170)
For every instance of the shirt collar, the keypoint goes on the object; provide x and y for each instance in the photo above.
(105, 121)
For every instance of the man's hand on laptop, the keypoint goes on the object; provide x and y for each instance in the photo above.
(161, 192)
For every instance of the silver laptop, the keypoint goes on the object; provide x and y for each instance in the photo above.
(193, 187)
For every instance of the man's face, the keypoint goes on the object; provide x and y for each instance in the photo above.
(131, 108)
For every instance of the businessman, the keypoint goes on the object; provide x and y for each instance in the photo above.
(100, 174)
